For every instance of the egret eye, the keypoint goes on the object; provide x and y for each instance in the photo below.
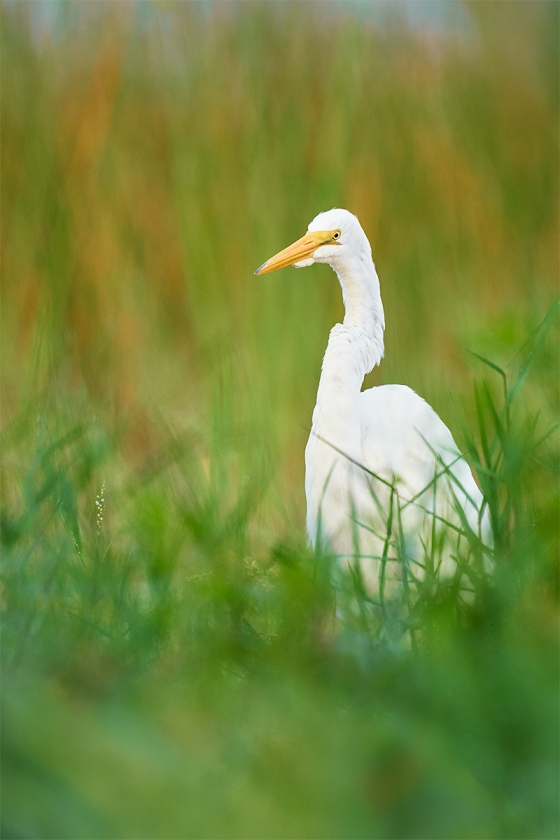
(336, 234)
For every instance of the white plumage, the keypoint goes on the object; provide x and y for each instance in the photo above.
(384, 478)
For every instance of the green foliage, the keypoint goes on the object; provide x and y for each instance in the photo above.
(176, 661)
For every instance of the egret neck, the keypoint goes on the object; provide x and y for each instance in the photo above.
(354, 348)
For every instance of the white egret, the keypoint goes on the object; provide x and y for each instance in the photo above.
(381, 467)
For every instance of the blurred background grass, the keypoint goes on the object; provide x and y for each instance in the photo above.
(168, 668)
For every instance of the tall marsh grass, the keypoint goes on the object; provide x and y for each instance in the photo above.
(176, 661)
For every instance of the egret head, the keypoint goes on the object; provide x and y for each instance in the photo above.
(331, 237)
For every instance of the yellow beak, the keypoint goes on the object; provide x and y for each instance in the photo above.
(303, 249)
